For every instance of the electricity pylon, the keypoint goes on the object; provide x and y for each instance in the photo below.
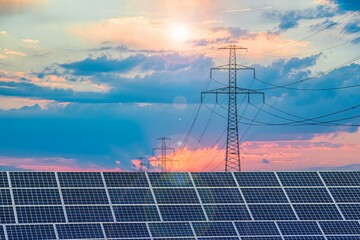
(232, 159)
(163, 159)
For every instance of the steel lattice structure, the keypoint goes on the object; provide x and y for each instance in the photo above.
(232, 159)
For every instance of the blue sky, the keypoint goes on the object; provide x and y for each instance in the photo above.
(90, 85)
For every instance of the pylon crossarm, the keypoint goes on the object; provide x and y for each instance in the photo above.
(227, 67)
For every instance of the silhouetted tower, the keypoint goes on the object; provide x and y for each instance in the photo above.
(232, 159)
(141, 167)
(164, 148)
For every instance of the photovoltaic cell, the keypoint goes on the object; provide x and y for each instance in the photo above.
(84, 196)
(256, 179)
(79, 231)
(131, 196)
(126, 230)
(136, 213)
(40, 214)
(272, 212)
(30, 232)
(305, 238)
(296, 179)
(41, 196)
(33, 179)
(264, 195)
(257, 228)
(350, 211)
(3, 180)
(5, 197)
(6, 215)
(261, 238)
(346, 195)
(125, 179)
(227, 212)
(308, 195)
(355, 237)
(213, 179)
(176, 195)
(299, 228)
(80, 179)
(213, 229)
(341, 178)
(340, 227)
(182, 229)
(317, 212)
(2, 234)
(220, 195)
(175, 179)
(89, 214)
(182, 213)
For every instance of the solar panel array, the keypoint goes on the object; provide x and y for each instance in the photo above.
(217, 205)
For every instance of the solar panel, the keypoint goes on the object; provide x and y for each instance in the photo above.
(126, 230)
(84, 196)
(131, 196)
(179, 229)
(264, 195)
(308, 195)
(227, 212)
(272, 212)
(176, 196)
(211, 229)
(256, 179)
(297, 179)
(42, 196)
(170, 179)
(257, 228)
(80, 179)
(79, 231)
(220, 195)
(299, 228)
(30, 232)
(346, 195)
(317, 212)
(214, 179)
(121, 205)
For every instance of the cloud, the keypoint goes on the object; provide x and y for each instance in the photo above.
(290, 19)
(352, 27)
(265, 161)
(14, 53)
(2, 33)
(29, 40)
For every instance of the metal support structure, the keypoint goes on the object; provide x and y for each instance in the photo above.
(232, 159)
(164, 148)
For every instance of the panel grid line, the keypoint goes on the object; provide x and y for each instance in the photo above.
(103, 230)
(12, 197)
(148, 229)
(108, 197)
(236, 230)
(56, 232)
(193, 230)
(287, 197)
(322, 232)
(5, 232)
(153, 195)
(198, 195)
(242, 195)
(333, 199)
(61, 197)
(278, 228)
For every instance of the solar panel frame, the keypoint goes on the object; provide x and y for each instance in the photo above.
(40, 214)
(264, 195)
(84, 196)
(300, 179)
(299, 228)
(256, 179)
(136, 213)
(79, 231)
(171, 229)
(84, 214)
(176, 196)
(345, 194)
(213, 179)
(340, 227)
(36, 196)
(80, 179)
(30, 232)
(308, 195)
(234, 212)
(317, 212)
(131, 196)
(220, 195)
(338, 179)
(182, 213)
(214, 229)
(272, 212)
(170, 179)
(4, 180)
(126, 230)
(5, 197)
(125, 179)
(33, 179)
(254, 228)
(350, 211)
(7, 215)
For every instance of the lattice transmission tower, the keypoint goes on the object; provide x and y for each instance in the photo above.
(164, 149)
(232, 158)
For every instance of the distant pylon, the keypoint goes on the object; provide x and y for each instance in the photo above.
(163, 159)
(141, 167)
(232, 159)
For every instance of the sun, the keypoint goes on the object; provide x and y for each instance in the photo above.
(180, 32)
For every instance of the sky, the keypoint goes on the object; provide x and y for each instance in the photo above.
(89, 85)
